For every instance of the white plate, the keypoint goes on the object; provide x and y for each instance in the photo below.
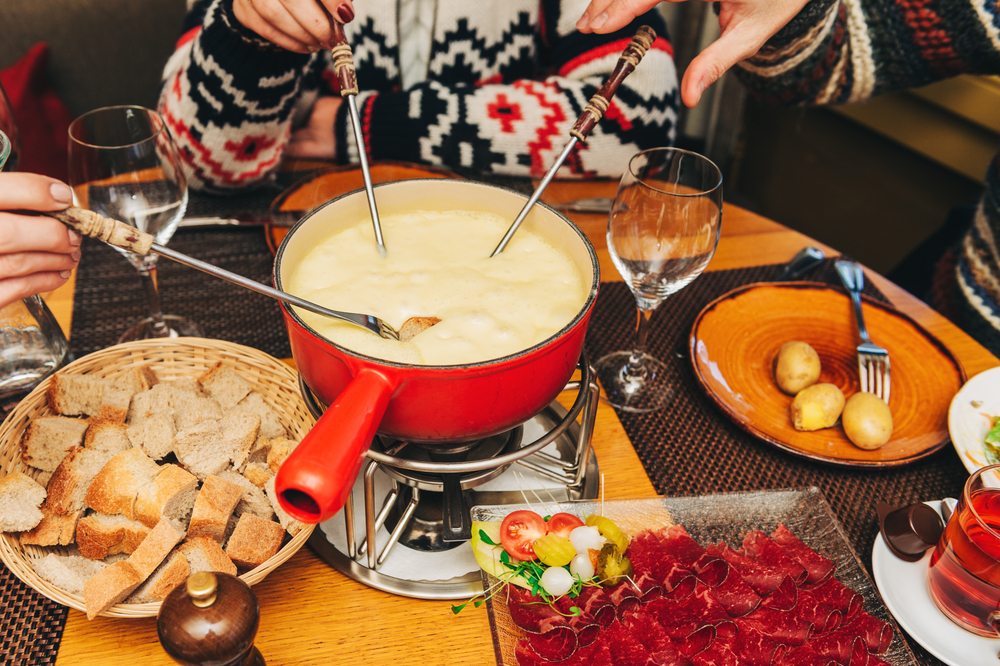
(904, 589)
(969, 417)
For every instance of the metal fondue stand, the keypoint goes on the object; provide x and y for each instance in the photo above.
(574, 469)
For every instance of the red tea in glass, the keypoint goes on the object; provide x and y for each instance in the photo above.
(964, 572)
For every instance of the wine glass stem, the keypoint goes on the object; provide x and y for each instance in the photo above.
(635, 370)
(159, 327)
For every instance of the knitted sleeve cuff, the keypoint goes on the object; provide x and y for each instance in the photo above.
(226, 35)
(809, 18)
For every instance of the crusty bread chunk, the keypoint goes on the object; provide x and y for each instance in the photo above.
(291, 525)
(253, 500)
(110, 586)
(258, 473)
(205, 554)
(239, 432)
(163, 398)
(171, 493)
(136, 380)
(48, 439)
(154, 435)
(254, 541)
(69, 483)
(99, 535)
(281, 448)
(167, 576)
(115, 487)
(76, 395)
(194, 410)
(56, 529)
(107, 436)
(215, 503)
(270, 421)
(155, 547)
(20, 499)
(225, 385)
(67, 572)
(189, 385)
(201, 449)
(259, 450)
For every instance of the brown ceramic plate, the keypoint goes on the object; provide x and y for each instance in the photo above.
(327, 184)
(736, 337)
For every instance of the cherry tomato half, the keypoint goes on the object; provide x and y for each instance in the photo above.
(562, 524)
(518, 533)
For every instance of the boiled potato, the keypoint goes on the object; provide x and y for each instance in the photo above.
(796, 367)
(867, 421)
(817, 407)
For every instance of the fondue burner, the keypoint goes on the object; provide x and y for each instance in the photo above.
(416, 498)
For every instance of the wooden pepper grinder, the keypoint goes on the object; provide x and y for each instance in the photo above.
(211, 619)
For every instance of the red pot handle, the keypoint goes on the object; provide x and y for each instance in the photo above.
(313, 484)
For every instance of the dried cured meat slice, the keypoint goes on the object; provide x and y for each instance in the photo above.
(557, 644)
(758, 545)
(764, 580)
(679, 545)
(649, 586)
(782, 626)
(648, 553)
(628, 649)
(597, 654)
(594, 602)
(680, 619)
(679, 582)
(824, 617)
(819, 567)
(719, 653)
(876, 634)
(728, 587)
(696, 641)
(784, 598)
(651, 634)
(531, 614)
(755, 648)
(803, 655)
(838, 595)
(843, 646)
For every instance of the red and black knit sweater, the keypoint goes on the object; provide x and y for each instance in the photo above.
(506, 81)
(838, 51)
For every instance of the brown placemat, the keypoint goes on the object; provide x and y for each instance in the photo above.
(692, 448)
(31, 625)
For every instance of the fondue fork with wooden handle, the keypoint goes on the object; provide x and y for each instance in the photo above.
(347, 78)
(127, 237)
(592, 113)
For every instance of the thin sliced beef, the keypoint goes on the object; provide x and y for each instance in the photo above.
(803, 655)
(594, 601)
(831, 591)
(680, 619)
(840, 645)
(819, 567)
(823, 616)
(696, 642)
(597, 654)
(782, 626)
(679, 581)
(727, 586)
(756, 648)
(531, 613)
(761, 547)
(784, 598)
(876, 634)
(679, 545)
(761, 578)
(650, 588)
(719, 653)
(656, 641)
(555, 645)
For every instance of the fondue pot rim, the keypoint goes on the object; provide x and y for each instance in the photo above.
(583, 311)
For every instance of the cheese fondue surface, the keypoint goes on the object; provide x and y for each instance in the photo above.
(439, 265)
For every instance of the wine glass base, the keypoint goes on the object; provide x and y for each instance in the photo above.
(177, 327)
(648, 393)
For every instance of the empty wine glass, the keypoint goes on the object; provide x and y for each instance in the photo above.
(662, 232)
(123, 164)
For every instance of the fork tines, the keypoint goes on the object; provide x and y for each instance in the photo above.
(874, 369)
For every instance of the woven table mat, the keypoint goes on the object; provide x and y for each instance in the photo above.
(31, 625)
(692, 448)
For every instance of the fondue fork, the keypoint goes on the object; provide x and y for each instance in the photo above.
(592, 113)
(347, 77)
(127, 237)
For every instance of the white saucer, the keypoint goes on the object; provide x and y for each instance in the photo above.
(904, 588)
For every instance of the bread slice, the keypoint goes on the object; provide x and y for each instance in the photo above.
(107, 436)
(154, 435)
(99, 535)
(254, 541)
(162, 582)
(214, 505)
(163, 398)
(253, 500)
(259, 450)
(115, 487)
(205, 554)
(239, 432)
(69, 483)
(67, 572)
(155, 547)
(281, 448)
(258, 473)
(189, 385)
(76, 395)
(225, 385)
(110, 586)
(201, 449)
(270, 421)
(48, 439)
(171, 493)
(20, 499)
(136, 380)
(193, 410)
(291, 525)
(56, 529)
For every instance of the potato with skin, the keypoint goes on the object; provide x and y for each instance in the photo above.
(817, 407)
(796, 367)
(867, 421)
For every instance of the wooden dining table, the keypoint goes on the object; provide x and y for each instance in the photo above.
(312, 614)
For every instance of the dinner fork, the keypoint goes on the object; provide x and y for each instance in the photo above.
(873, 361)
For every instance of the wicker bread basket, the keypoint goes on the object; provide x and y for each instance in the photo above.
(171, 359)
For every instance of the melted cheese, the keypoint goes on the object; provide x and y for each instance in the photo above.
(439, 265)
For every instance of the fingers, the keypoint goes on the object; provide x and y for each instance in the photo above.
(734, 45)
(302, 26)
(604, 16)
(29, 191)
(24, 233)
(14, 289)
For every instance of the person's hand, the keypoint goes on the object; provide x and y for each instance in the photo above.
(317, 139)
(302, 26)
(37, 254)
(745, 24)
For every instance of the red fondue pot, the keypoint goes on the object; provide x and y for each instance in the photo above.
(441, 405)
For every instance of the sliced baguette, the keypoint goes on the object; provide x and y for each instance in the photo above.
(76, 395)
(56, 529)
(215, 503)
(99, 535)
(162, 582)
(155, 547)
(48, 439)
(254, 541)
(154, 435)
(69, 483)
(205, 554)
(270, 421)
(172, 494)
(67, 572)
(110, 586)
(253, 500)
(239, 432)
(115, 487)
(193, 410)
(201, 449)
(225, 385)
(20, 499)
(107, 436)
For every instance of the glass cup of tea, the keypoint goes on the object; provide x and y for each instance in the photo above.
(964, 576)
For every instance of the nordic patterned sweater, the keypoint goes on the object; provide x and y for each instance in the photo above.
(838, 51)
(506, 81)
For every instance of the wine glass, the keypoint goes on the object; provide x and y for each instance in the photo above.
(9, 127)
(123, 164)
(662, 232)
